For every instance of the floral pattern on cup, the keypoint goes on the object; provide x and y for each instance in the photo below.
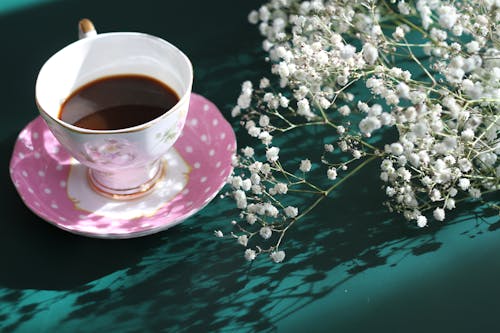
(171, 134)
(168, 136)
(111, 152)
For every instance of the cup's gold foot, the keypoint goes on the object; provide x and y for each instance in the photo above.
(128, 193)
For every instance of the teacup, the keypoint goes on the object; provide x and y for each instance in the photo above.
(123, 163)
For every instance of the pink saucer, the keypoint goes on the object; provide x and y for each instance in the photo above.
(54, 185)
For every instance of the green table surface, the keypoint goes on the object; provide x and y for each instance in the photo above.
(351, 266)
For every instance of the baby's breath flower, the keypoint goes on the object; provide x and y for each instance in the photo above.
(248, 151)
(439, 214)
(265, 169)
(305, 165)
(291, 211)
(253, 17)
(344, 110)
(246, 93)
(450, 204)
(304, 109)
(347, 51)
(472, 47)
(241, 199)
(265, 137)
(236, 181)
(250, 254)
(398, 34)
(251, 218)
(475, 192)
(356, 154)
(265, 232)
(396, 148)
(255, 179)
(464, 184)
(243, 240)
(272, 154)
(343, 145)
(236, 111)
(264, 83)
(254, 131)
(464, 164)
(324, 103)
(284, 102)
(270, 210)
(390, 191)
(369, 124)
(264, 120)
(280, 188)
(467, 134)
(447, 16)
(255, 167)
(370, 53)
(421, 221)
(246, 184)
(328, 147)
(435, 195)
(403, 7)
(277, 256)
(331, 173)
(444, 117)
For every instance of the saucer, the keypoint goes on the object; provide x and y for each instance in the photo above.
(55, 187)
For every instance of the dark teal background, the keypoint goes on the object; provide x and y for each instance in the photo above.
(351, 266)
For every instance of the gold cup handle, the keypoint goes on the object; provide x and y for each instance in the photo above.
(86, 28)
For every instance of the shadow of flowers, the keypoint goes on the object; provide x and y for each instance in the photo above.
(184, 280)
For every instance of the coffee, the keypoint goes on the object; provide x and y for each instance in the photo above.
(117, 102)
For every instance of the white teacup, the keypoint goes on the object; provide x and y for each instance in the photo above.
(123, 163)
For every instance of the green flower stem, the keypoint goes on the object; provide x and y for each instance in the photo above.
(350, 174)
(279, 115)
(484, 100)
(366, 144)
(493, 123)
(294, 126)
(306, 191)
(286, 174)
(480, 177)
(276, 201)
(300, 180)
(416, 27)
(324, 195)
(434, 83)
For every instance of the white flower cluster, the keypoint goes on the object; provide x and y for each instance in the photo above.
(262, 218)
(432, 72)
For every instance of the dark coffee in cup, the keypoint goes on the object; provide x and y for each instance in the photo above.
(118, 102)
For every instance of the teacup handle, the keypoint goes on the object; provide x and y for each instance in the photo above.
(86, 28)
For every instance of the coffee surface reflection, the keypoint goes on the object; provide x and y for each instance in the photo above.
(118, 102)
